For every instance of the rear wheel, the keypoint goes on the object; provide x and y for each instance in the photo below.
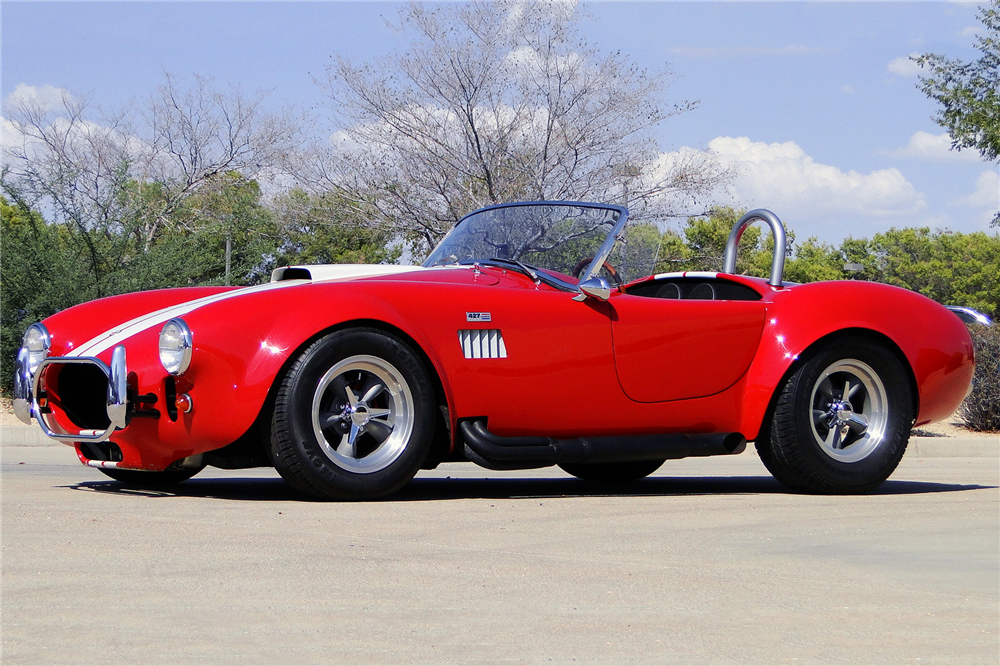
(354, 417)
(620, 472)
(842, 421)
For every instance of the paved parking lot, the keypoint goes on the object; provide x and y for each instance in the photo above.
(710, 561)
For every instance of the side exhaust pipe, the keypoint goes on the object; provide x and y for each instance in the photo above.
(525, 452)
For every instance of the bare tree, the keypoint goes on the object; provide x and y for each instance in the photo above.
(495, 102)
(199, 132)
(120, 176)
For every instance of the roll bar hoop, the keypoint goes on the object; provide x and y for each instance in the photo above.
(777, 230)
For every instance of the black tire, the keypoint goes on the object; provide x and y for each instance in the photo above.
(139, 479)
(620, 472)
(354, 417)
(819, 442)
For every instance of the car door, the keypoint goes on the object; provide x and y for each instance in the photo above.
(673, 349)
(524, 355)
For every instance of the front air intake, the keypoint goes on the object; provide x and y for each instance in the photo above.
(81, 390)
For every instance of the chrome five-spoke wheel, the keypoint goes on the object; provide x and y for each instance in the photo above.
(362, 414)
(849, 410)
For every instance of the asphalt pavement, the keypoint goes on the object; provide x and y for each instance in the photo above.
(709, 561)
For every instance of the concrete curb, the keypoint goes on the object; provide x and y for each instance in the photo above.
(23, 435)
(920, 447)
(954, 447)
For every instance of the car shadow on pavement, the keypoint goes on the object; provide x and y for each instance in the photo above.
(437, 488)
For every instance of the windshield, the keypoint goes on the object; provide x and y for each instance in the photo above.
(560, 237)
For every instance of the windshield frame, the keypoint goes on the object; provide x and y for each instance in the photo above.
(602, 254)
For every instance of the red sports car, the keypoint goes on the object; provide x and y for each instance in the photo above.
(533, 335)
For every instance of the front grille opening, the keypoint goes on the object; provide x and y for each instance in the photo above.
(82, 390)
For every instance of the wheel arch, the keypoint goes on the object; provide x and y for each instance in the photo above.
(814, 347)
(442, 438)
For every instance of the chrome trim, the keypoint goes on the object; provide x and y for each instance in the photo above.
(46, 339)
(102, 464)
(116, 403)
(970, 316)
(777, 230)
(23, 404)
(117, 399)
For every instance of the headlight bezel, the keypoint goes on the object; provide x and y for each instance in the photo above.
(38, 341)
(175, 346)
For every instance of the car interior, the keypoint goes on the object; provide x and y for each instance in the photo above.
(695, 289)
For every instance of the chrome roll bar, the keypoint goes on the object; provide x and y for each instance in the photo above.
(777, 230)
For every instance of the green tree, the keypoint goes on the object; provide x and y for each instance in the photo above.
(969, 92)
(40, 274)
(951, 267)
(330, 228)
(815, 261)
(238, 236)
(704, 245)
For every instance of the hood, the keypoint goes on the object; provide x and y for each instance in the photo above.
(147, 313)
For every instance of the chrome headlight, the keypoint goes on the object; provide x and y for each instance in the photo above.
(37, 341)
(175, 346)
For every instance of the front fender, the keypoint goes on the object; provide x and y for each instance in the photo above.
(233, 369)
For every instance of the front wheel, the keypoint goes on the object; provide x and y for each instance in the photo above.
(354, 417)
(842, 420)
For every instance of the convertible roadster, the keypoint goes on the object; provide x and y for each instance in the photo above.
(533, 335)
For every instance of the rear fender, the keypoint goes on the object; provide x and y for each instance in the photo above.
(932, 342)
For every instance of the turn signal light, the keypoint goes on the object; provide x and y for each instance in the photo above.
(183, 402)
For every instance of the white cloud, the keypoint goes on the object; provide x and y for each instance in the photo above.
(986, 198)
(903, 66)
(817, 199)
(47, 97)
(936, 147)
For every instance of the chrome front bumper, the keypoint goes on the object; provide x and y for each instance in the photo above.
(26, 392)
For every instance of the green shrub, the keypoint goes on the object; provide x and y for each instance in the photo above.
(981, 410)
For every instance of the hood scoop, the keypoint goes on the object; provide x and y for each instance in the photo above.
(338, 271)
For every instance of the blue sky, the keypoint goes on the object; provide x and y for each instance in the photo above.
(816, 101)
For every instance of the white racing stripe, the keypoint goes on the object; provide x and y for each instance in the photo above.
(118, 334)
(110, 338)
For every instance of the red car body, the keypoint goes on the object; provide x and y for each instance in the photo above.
(630, 365)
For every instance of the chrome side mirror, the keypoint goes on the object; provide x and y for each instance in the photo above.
(596, 287)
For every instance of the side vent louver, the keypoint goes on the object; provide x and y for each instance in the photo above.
(482, 343)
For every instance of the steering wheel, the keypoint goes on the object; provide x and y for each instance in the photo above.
(611, 271)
